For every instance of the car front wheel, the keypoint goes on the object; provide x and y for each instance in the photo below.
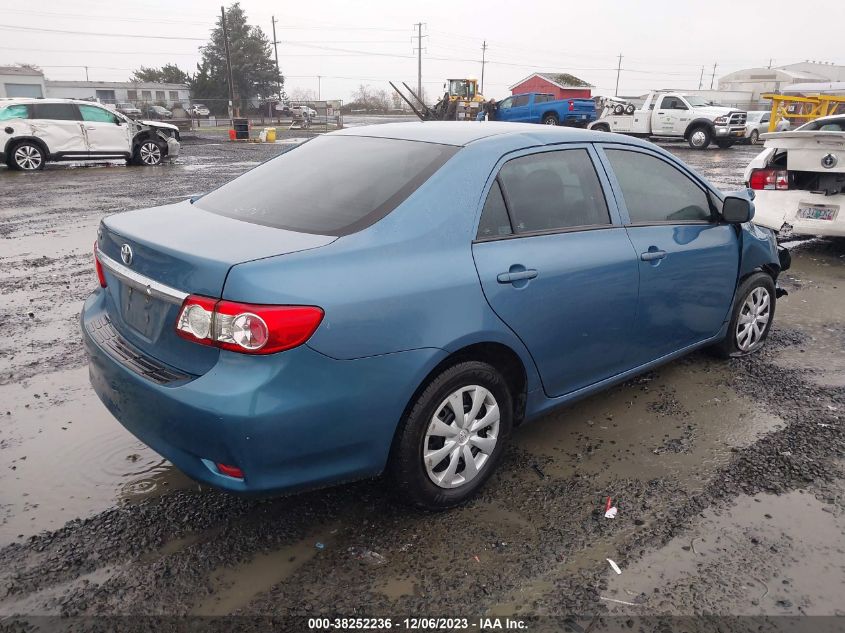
(699, 138)
(752, 317)
(27, 156)
(453, 436)
(754, 138)
(149, 153)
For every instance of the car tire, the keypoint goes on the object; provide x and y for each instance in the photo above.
(429, 431)
(629, 109)
(754, 138)
(699, 137)
(148, 153)
(26, 156)
(751, 317)
(551, 119)
(601, 127)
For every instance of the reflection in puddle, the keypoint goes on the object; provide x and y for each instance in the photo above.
(68, 457)
(681, 421)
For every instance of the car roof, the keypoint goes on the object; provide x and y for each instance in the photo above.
(462, 133)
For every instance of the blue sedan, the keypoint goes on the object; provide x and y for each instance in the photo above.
(400, 297)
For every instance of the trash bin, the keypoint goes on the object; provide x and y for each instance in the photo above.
(241, 127)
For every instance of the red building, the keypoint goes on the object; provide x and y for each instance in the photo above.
(561, 85)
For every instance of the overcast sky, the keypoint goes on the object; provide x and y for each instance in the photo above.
(664, 43)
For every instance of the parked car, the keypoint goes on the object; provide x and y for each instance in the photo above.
(34, 132)
(199, 110)
(678, 115)
(454, 282)
(129, 110)
(535, 107)
(157, 112)
(298, 111)
(799, 179)
(757, 123)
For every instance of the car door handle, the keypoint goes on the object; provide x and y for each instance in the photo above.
(650, 256)
(509, 278)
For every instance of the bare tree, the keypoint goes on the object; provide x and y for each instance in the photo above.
(302, 94)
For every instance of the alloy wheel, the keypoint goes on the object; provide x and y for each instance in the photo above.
(461, 436)
(753, 319)
(28, 157)
(150, 153)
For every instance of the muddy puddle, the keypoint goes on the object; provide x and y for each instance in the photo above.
(766, 554)
(681, 421)
(65, 456)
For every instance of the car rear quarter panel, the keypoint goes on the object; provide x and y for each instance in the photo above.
(407, 282)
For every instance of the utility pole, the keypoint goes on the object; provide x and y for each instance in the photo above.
(483, 59)
(319, 78)
(419, 36)
(770, 62)
(701, 78)
(228, 64)
(712, 77)
(86, 73)
(278, 72)
(618, 71)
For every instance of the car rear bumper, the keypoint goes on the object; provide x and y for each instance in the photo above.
(290, 421)
(778, 210)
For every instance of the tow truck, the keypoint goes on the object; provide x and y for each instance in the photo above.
(667, 114)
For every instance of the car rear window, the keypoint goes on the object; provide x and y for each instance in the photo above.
(330, 185)
(55, 111)
(17, 111)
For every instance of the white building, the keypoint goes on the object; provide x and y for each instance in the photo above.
(121, 92)
(21, 82)
(758, 81)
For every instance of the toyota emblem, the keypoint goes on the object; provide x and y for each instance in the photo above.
(829, 161)
(126, 254)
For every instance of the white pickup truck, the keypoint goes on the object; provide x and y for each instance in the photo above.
(677, 115)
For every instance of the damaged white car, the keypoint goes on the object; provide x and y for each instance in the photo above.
(34, 132)
(799, 179)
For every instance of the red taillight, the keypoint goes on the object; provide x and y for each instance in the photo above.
(769, 179)
(230, 471)
(244, 327)
(571, 105)
(99, 267)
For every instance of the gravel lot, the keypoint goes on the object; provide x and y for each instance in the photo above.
(728, 476)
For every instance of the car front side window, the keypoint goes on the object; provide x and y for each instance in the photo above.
(100, 115)
(656, 192)
(552, 191)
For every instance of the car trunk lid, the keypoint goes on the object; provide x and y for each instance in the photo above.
(155, 257)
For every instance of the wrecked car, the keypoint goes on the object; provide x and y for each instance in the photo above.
(455, 281)
(799, 179)
(34, 132)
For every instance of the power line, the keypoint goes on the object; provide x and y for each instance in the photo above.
(90, 34)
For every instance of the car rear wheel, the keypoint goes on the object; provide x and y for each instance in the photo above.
(752, 317)
(149, 153)
(754, 138)
(550, 119)
(699, 138)
(27, 156)
(453, 436)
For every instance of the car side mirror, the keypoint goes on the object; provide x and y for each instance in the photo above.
(737, 208)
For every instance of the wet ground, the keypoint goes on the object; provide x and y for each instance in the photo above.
(728, 476)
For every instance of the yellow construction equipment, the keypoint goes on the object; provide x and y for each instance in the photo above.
(802, 108)
(461, 101)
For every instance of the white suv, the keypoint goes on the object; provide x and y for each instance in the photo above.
(36, 131)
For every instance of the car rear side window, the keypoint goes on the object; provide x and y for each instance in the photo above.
(553, 190)
(331, 185)
(55, 111)
(494, 217)
(654, 191)
(19, 111)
